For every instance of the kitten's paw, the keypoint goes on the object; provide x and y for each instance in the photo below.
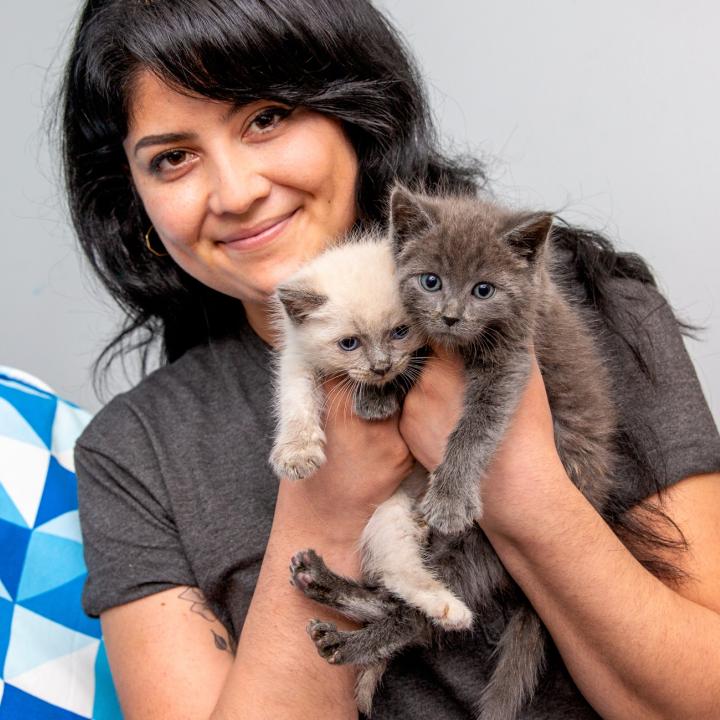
(447, 513)
(447, 611)
(310, 575)
(329, 641)
(297, 459)
(456, 616)
(371, 404)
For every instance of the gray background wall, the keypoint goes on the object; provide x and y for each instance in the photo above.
(609, 110)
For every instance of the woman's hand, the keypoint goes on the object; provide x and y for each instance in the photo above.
(365, 463)
(435, 404)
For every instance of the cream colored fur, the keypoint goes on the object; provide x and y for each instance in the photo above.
(360, 294)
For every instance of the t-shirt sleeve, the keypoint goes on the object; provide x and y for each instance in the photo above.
(131, 543)
(662, 409)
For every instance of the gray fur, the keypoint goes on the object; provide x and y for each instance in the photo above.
(466, 241)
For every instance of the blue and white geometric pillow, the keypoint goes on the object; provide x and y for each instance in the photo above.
(53, 664)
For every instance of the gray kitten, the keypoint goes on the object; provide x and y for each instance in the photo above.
(478, 278)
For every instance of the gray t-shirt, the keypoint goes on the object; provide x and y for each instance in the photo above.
(174, 489)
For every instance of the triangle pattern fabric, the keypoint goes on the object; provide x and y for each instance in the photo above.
(25, 653)
(15, 426)
(19, 705)
(6, 613)
(51, 561)
(59, 495)
(8, 511)
(66, 526)
(62, 604)
(67, 681)
(23, 469)
(14, 541)
(69, 422)
(13, 377)
(53, 664)
(37, 410)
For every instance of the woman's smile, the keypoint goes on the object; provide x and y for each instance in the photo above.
(260, 235)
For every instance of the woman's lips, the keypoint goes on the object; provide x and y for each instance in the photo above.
(245, 242)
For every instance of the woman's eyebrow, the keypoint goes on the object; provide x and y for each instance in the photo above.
(163, 140)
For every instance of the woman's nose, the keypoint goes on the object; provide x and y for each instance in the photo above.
(236, 184)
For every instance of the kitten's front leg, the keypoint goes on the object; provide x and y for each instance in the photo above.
(376, 642)
(453, 501)
(298, 448)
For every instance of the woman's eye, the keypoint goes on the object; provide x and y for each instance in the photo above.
(349, 343)
(483, 290)
(170, 160)
(268, 119)
(430, 282)
(400, 332)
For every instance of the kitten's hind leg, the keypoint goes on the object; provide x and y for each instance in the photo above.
(376, 402)
(376, 642)
(392, 544)
(520, 658)
(352, 599)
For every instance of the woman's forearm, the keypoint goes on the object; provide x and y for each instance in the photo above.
(635, 648)
(277, 671)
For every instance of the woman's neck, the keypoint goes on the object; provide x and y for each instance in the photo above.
(258, 317)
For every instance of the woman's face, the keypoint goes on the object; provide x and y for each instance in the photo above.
(240, 197)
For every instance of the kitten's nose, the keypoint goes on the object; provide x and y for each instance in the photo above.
(380, 371)
(449, 321)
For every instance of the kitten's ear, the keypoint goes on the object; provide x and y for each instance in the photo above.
(299, 302)
(528, 235)
(409, 216)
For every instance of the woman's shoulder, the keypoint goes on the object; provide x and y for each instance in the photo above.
(645, 332)
(206, 380)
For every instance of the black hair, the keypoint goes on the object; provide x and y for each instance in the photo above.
(338, 57)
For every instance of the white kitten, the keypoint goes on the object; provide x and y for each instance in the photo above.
(341, 316)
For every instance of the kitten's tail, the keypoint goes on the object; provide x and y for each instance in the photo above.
(367, 681)
(520, 656)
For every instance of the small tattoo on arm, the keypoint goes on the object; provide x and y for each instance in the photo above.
(220, 642)
(199, 604)
(201, 607)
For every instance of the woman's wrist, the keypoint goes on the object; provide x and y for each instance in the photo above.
(517, 506)
(299, 524)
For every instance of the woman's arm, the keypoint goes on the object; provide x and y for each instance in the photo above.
(634, 646)
(169, 657)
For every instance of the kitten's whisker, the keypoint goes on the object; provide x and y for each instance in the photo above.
(335, 394)
(346, 397)
(338, 389)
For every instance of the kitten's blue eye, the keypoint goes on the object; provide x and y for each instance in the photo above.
(349, 343)
(400, 332)
(483, 291)
(430, 282)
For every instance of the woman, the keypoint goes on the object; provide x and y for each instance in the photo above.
(210, 149)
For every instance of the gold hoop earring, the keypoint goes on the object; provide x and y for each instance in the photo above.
(150, 247)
